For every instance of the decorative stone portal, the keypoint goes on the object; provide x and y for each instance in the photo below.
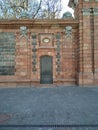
(46, 72)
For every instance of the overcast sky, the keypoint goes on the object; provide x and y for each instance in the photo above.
(65, 6)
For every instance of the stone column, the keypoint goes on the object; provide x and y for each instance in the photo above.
(80, 46)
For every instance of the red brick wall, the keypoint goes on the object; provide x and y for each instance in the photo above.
(24, 74)
(87, 15)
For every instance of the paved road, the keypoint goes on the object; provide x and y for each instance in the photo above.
(47, 106)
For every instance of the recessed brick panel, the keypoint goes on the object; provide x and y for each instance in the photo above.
(7, 53)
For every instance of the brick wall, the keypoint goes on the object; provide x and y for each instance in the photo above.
(87, 14)
(30, 47)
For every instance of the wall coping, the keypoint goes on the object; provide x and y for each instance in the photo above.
(29, 23)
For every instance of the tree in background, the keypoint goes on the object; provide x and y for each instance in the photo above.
(11, 9)
(51, 9)
(43, 9)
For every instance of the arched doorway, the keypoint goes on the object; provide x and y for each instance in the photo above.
(46, 70)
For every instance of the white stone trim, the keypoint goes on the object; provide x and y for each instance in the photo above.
(86, 11)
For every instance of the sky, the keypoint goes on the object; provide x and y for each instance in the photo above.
(65, 6)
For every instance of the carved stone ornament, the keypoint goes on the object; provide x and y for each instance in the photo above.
(86, 11)
(34, 50)
(23, 31)
(95, 10)
(68, 32)
(46, 40)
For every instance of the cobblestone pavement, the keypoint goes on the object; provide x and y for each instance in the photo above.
(48, 106)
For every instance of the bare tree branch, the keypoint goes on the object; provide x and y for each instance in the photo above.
(37, 9)
(44, 9)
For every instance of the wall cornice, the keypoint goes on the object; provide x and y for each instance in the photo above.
(37, 23)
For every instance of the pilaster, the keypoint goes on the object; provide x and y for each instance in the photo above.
(95, 12)
(22, 55)
(86, 76)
